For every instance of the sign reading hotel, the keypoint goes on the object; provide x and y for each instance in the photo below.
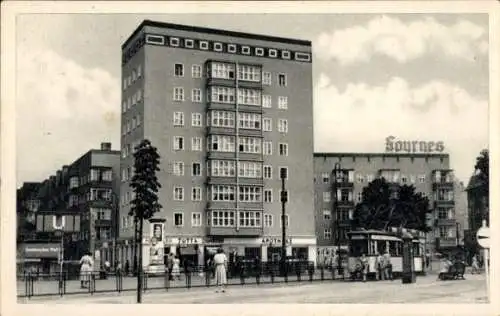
(393, 145)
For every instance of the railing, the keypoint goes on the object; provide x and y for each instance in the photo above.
(37, 284)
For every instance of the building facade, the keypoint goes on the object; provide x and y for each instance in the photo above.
(428, 173)
(83, 198)
(478, 209)
(228, 111)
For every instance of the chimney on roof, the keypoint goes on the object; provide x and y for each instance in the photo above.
(105, 146)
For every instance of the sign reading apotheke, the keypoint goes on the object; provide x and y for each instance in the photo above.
(41, 250)
(393, 145)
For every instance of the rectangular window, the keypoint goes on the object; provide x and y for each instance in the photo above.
(189, 43)
(327, 215)
(268, 220)
(250, 219)
(196, 144)
(178, 168)
(196, 119)
(282, 102)
(178, 194)
(266, 78)
(327, 196)
(196, 71)
(196, 169)
(421, 178)
(178, 143)
(284, 171)
(196, 219)
(267, 125)
(404, 179)
(251, 145)
(359, 196)
(178, 118)
(179, 70)
(249, 73)
(250, 194)
(231, 48)
(222, 119)
(282, 82)
(222, 70)
(94, 175)
(268, 196)
(282, 126)
(369, 178)
(178, 94)
(223, 219)
(222, 95)
(222, 168)
(249, 97)
(327, 233)
(204, 45)
(268, 172)
(73, 182)
(283, 149)
(267, 148)
(222, 193)
(326, 177)
(287, 221)
(196, 95)
(222, 143)
(174, 41)
(360, 178)
(249, 120)
(196, 194)
(266, 101)
(178, 219)
(248, 169)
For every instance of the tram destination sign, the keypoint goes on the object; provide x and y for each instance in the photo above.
(394, 145)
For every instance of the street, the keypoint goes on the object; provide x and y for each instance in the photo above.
(425, 290)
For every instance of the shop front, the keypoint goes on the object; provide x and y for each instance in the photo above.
(39, 258)
(189, 250)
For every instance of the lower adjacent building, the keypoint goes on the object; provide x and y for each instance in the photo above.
(430, 174)
(75, 208)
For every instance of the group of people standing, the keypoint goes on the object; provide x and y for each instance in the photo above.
(383, 265)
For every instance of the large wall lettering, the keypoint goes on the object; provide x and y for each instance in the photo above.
(415, 146)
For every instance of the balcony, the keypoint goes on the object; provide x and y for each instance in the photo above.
(221, 82)
(211, 105)
(250, 132)
(250, 84)
(211, 130)
(232, 231)
(344, 185)
(443, 203)
(221, 205)
(251, 206)
(221, 180)
(442, 185)
(446, 242)
(103, 222)
(250, 157)
(251, 181)
(344, 203)
(221, 155)
(446, 221)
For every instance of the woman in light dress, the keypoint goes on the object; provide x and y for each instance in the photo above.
(475, 265)
(220, 262)
(85, 269)
(176, 268)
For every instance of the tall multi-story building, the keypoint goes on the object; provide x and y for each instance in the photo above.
(430, 174)
(228, 111)
(83, 195)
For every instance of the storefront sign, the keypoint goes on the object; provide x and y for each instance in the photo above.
(41, 251)
(414, 146)
(183, 241)
(275, 241)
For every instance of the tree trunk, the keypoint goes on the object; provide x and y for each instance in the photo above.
(139, 264)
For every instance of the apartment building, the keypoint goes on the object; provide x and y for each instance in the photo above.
(430, 174)
(228, 111)
(83, 197)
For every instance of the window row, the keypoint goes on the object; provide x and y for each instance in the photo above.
(196, 71)
(131, 101)
(135, 74)
(362, 178)
(341, 213)
(131, 124)
(246, 219)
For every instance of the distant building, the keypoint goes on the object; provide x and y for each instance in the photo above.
(429, 173)
(462, 214)
(84, 196)
(478, 207)
(228, 111)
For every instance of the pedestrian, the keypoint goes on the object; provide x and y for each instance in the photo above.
(364, 266)
(170, 265)
(220, 261)
(427, 258)
(118, 268)
(127, 267)
(85, 270)
(475, 265)
(388, 266)
(176, 268)
(380, 266)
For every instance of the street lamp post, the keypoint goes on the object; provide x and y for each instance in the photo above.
(284, 199)
(336, 177)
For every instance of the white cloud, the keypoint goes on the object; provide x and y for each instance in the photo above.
(63, 110)
(401, 41)
(359, 118)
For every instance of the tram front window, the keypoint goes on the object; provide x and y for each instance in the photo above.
(357, 248)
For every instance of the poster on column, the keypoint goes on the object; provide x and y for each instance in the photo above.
(156, 247)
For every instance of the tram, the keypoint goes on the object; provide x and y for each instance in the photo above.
(373, 242)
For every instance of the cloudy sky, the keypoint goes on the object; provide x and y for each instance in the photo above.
(413, 76)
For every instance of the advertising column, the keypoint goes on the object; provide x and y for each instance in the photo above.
(156, 245)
